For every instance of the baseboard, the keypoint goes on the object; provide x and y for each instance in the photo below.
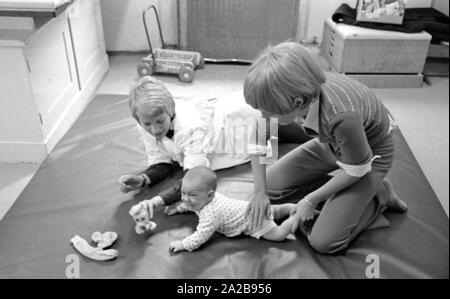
(389, 80)
(22, 152)
(77, 106)
(379, 80)
(143, 52)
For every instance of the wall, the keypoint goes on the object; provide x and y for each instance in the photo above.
(124, 30)
(441, 5)
(22, 23)
(319, 11)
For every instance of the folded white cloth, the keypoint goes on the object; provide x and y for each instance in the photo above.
(104, 240)
(88, 251)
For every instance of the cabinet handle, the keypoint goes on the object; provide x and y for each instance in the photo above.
(28, 65)
(67, 55)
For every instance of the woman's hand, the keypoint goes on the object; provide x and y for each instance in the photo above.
(302, 212)
(257, 210)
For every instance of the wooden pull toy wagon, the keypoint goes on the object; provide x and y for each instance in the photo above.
(161, 60)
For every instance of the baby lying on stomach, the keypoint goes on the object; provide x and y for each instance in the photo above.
(225, 215)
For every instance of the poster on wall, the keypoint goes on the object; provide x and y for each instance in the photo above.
(381, 11)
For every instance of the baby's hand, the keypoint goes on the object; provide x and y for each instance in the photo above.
(176, 208)
(176, 246)
(171, 210)
(130, 182)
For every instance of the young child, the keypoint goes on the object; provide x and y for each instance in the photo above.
(190, 133)
(352, 132)
(225, 215)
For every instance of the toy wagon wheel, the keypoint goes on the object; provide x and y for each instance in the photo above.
(201, 63)
(144, 69)
(186, 74)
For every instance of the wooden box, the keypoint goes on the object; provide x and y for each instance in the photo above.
(382, 57)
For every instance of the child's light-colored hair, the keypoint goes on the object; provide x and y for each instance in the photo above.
(151, 96)
(202, 175)
(281, 74)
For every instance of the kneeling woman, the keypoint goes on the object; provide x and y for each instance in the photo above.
(353, 133)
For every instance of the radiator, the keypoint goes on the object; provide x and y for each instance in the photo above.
(238, 29)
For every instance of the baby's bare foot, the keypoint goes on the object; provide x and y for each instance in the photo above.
(394, 203)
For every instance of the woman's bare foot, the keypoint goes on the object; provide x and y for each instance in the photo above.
(394, 203)
(281, 211)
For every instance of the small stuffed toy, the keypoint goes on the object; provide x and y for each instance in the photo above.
(141, 218)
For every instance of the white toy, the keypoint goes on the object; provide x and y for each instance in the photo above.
(141, 218)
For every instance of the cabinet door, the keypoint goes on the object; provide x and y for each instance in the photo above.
(52, 71)
(87, 37)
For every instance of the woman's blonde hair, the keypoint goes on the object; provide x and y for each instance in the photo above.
(150, 95)
(281, 74)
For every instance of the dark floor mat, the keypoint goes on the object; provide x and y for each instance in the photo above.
(75, 191)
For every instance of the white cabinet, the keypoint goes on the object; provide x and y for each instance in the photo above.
(51, 71)
(47, 77)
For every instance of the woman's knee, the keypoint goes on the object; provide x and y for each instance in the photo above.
(326, 245)
(276, 187)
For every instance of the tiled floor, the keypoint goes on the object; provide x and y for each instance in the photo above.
(423, 116)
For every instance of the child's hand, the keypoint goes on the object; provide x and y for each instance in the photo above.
(176, 246)
(147, 206)
(130, 182)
